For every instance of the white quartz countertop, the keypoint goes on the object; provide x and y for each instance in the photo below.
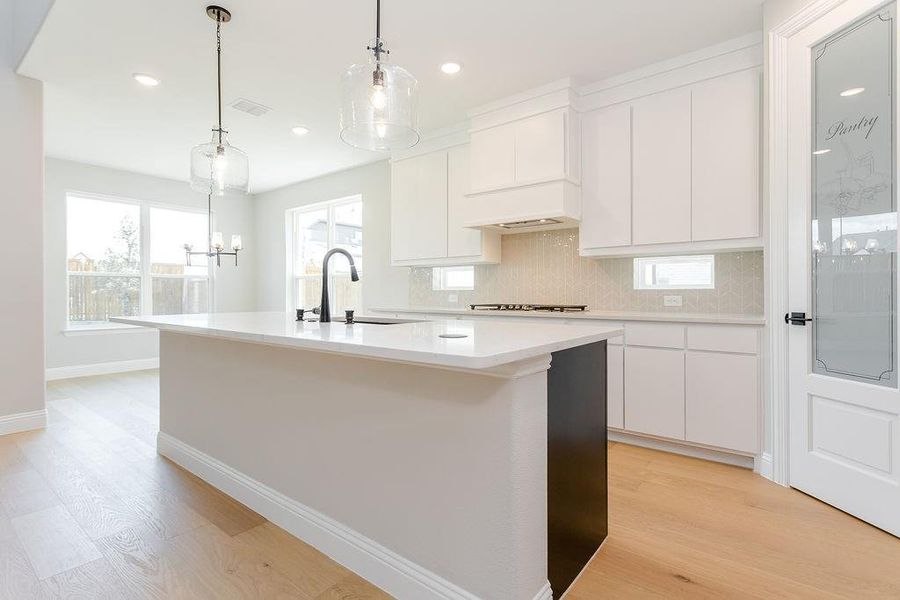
(588, 315)
(487, 344)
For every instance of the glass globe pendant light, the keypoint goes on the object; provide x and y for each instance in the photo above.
(379, 107)
(217, 166)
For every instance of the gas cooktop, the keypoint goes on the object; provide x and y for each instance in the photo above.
(531, 307)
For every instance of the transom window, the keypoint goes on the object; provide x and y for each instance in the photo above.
(675, 272)
(312, 231)
(127, 258)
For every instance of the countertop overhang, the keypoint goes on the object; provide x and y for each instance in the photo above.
(485, 345)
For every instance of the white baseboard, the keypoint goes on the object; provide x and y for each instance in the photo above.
(120, 366)
(26, 421)
(384, 568)
(764, 466)
(738, 460)
(545, 594)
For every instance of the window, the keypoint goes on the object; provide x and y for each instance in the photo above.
(313, 230)
(127, 259)
(453, 278)
(104, 260)
(675, 273)
(178, 288)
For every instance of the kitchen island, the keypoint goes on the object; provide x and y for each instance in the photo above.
(444, 459)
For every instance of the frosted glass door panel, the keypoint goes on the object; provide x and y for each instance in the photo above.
(854, 219)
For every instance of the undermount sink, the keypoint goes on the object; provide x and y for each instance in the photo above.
(381, 321)
(373, 321)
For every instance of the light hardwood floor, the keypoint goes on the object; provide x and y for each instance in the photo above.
(89, 510)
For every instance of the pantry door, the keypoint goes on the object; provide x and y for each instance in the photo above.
(842, 254)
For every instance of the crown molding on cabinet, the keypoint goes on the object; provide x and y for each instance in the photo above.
(735, 55)
(552, 96)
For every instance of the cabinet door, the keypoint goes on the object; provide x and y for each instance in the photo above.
(541, 147)
(461, 241)
(493, 157)
(606, 180)
(654, 391)
(419, 207)
(662, 168)
(615, 388)
(725, 151)
(722, 400)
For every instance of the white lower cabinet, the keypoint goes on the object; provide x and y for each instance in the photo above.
(615, 386)
(722, 400)
(693, 383)
(654, 391)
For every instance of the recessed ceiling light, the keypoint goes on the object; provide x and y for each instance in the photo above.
(146, 80)
(822, 151)
(300, 130)
(451, 68)
(853, 91)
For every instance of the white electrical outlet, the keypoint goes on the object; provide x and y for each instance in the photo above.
(453, 298)
(671, 300)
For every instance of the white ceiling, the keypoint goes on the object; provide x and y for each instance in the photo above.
(289, 56)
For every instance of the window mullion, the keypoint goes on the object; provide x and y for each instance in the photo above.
(146, 276)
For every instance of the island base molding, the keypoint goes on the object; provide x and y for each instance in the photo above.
(365, 557)
(25, 421)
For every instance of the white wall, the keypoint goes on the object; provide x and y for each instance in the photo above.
(28, 16)
(234, 286)
(382, 285)
(21, 206)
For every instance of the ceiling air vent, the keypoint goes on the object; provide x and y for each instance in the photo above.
(251, 108)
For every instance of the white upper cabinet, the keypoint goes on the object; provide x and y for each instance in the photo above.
(535, 149)
(725, 157)
(679, 173)
(428, 200)
(493, 154)
(606, 179)
(661, 147)
(419, 207)
(461, 240)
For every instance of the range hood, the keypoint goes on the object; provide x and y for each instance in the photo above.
(550, 205)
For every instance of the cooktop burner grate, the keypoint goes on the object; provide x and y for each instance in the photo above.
(532, 307)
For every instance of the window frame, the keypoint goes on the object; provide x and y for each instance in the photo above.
(291, 243)
(439, 279)
(145, 274)
(639, 263)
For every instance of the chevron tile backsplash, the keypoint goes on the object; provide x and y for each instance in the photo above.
(544, 267)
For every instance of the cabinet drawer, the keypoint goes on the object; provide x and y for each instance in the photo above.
(722, 338)
(654, 391)
(655, 334)
(722, 403)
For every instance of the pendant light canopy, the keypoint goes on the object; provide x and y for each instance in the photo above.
(379, 107)
(217, 166)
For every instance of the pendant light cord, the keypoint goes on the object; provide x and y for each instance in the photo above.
(210, 223)
(219, 67)
(378, 48)
(377, 20)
